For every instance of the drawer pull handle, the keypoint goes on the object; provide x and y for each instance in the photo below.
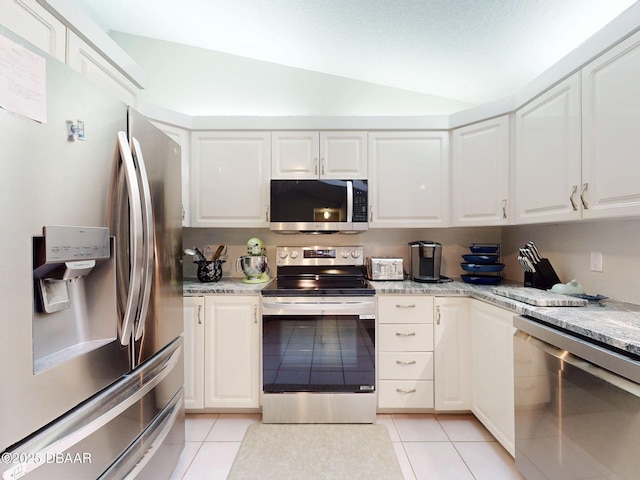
(402, 390)
(404, 362)
(400, 334)
(405, 306)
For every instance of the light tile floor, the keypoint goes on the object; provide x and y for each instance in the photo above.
(428, 446)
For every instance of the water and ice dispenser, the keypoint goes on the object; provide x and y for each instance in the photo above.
(74, 293)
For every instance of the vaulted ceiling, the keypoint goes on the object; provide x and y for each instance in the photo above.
(472, 51)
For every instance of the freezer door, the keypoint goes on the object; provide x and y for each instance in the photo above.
(136, 423)
(157, 157)
(54, 361)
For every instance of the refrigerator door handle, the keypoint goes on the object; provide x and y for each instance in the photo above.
(136, 241)
(148, 238)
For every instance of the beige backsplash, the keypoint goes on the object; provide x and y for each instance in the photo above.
(567, 246)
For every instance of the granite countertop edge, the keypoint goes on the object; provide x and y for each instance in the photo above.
(611, 322)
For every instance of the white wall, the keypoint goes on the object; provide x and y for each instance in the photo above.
(200, 82)
(568, 247)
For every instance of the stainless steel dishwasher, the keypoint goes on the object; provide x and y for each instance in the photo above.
(577, 406)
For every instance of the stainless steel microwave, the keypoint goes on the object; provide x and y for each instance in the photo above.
(322, 206)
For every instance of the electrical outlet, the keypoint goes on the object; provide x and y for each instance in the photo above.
(596, 262)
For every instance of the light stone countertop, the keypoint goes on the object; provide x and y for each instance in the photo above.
(611, 322)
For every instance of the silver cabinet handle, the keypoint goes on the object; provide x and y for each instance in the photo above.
(504, 208)
(255, 314)
(266, 213)
(322, 166)
(584, 190)
(315, 166)
(199, 314)
(571, 197)
(406, 391)
(400, 334)
(371, 213)
(405, 306)
(438, 315)
(404, 362)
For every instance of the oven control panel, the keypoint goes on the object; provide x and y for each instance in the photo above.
(293, 256)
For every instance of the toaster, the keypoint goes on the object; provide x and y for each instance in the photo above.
(384, 268)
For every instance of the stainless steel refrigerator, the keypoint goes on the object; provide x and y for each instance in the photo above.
(91, 322)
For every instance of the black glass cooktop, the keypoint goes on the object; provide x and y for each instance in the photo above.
(336, 285)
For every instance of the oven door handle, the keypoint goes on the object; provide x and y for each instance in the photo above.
(323, 307)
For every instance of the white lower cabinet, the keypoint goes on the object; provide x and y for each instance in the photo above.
(232, 351)
(222, 352)
(451, 353)
(492, 397)
(193, 353)
(405, 352)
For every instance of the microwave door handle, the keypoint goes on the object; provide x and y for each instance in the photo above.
(147, 235)
(349, 201)
(135, 240)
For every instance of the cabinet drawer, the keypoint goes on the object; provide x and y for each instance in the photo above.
(403, 394)
(405, 338)
(405, 366)
(405, 309)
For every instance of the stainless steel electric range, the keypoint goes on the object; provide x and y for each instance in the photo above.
(318, 341)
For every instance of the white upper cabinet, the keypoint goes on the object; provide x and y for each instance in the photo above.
(480, 171)
(33, 23)
(408, 179)
(310, 155)
(547, 163)
(182, 137)
(230, 179)
(84, 59)
(295, 155)
(611, 133)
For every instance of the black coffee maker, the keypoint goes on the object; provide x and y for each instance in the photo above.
(425, 258)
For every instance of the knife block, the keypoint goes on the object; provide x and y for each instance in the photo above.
(543, 278)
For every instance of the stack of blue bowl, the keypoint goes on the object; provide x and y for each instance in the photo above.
(483, 264)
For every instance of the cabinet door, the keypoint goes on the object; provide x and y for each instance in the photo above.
(194, 353)
(181, 137)
(343, 155)
(451, 353)
(492, 395)
(232, 352)
(84, 59)
(230, 179)
(408, 179)
(610, 140)
(294, 155)
(547, 164)
(480, 180)
(33, 23)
